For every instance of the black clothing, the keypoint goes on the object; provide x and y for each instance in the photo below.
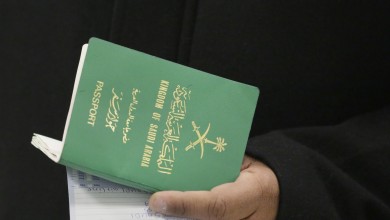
(318, 64)
(331, 172)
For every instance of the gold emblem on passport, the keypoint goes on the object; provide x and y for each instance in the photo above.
(219, 145)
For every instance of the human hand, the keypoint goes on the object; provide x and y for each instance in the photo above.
(254, 195)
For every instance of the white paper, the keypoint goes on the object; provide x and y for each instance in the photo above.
(49, 146)
(94, 198)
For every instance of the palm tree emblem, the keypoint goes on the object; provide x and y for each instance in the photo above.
(219, 144)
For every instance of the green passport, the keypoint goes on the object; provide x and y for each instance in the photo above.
(152, 124)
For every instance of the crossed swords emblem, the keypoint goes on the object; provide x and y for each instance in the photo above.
(219, 146)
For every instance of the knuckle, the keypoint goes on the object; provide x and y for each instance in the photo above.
(217, 208)
(179, 208)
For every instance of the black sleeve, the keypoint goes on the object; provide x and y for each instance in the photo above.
(332, 172)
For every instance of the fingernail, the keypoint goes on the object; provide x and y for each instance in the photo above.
(159, 205)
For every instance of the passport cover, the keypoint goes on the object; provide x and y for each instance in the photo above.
(152, 124)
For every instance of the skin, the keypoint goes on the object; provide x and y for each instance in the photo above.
(254, 195)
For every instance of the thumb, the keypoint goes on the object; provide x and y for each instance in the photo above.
(254, 195)
(235, 200)
(200, 204)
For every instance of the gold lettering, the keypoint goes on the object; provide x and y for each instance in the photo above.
(152, 133)
(148, 150)
(156, 116)
(112, 117)
(95, 103)
(171, 134)
(161, 94)
(130, 116)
